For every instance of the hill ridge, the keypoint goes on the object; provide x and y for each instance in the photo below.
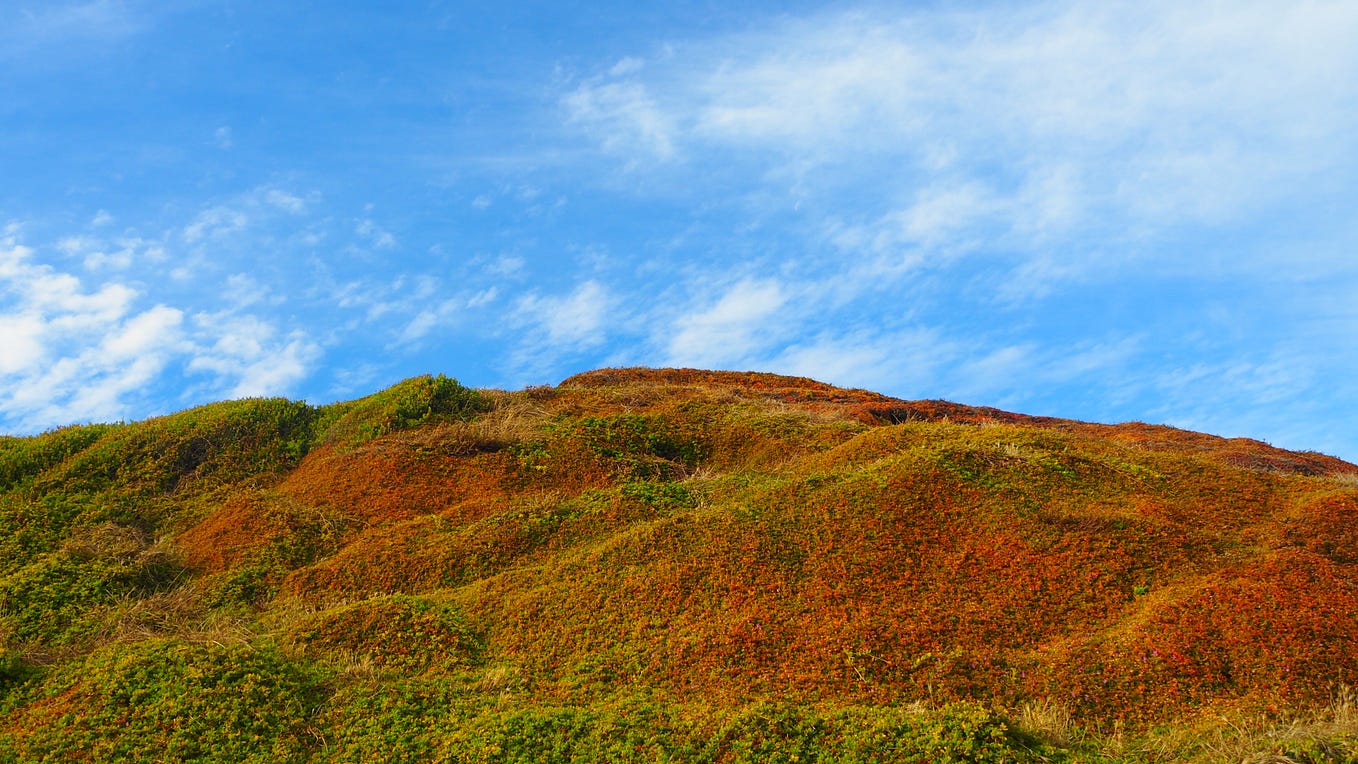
(698, 543)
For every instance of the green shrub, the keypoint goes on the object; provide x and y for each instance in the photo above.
(644, 447)
(202, 447)
(22, 459)
(396, 630)
(244, 586)
(29, 529)
(52, 600)
(407, 404)
(170, 701)
(57, 598)
(525, 736)
(662, 496)
(13, 670)
(381, 721)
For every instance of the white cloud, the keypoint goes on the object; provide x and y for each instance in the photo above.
(251, 209)
(997, 369)
(377, 236)
(96, 253)
(70, 353)
(72, 244)
(50, 24)
(575, 320)
(59, 297)
(215, 222)
(153, 331)
(444, 314)
(120, 254)
(243, 290)
(249, 356)
(627, 65)
(276, 372)
(505, 266)
(120, 260)
(908, 362)
(23, 347)
(76, 353)
(222, 137)
(626, 118)
(289, 203)
(547, 329)
(237, 340)
(730, 330)
(1024, 125)
(483, 298)
(419, 326)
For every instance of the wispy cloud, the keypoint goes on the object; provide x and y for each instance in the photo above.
(222, 138)
(549, 329)
(1026, 124)
(622, 113)
(909, 362)
(28, 27)
(729, 330)
(1018, 192)
(574, 320)
(445, 315)
(78, 353)
(250, 354)
(369, 231)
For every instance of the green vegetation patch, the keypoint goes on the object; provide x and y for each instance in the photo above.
(168, 701)
(22, 459)
(58, 598)
(407, 404)
(397, 631)
(637, 730)
(208, 446)
(645, 447)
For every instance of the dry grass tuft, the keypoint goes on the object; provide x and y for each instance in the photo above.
(1049, 722)
(1345, 478)
(501, 679)
(178, 613)
(357, 668)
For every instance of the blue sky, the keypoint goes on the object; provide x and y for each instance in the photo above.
(1108, 211)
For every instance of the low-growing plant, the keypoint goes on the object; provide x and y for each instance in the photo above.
(23, 459)
(170, 701)
(410, 403)
(669, 566)
(644, 447)
(13, 670)
(396, 631)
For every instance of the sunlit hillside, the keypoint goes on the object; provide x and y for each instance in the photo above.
(672, 565)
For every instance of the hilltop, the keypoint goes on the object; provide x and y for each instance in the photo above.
(681, 565)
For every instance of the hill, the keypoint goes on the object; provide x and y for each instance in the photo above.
(670, 565)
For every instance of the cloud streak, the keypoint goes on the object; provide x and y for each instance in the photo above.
(1052, 206)
(971, 176)
(1034, 121)
(41, 25)
(75, 353)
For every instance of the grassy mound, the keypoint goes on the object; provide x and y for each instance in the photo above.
(670, 565)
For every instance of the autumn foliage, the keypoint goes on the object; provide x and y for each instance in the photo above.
(432, 568)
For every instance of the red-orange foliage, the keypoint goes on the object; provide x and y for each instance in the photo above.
(782, 536)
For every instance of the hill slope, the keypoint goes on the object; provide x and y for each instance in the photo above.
(665, 565)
